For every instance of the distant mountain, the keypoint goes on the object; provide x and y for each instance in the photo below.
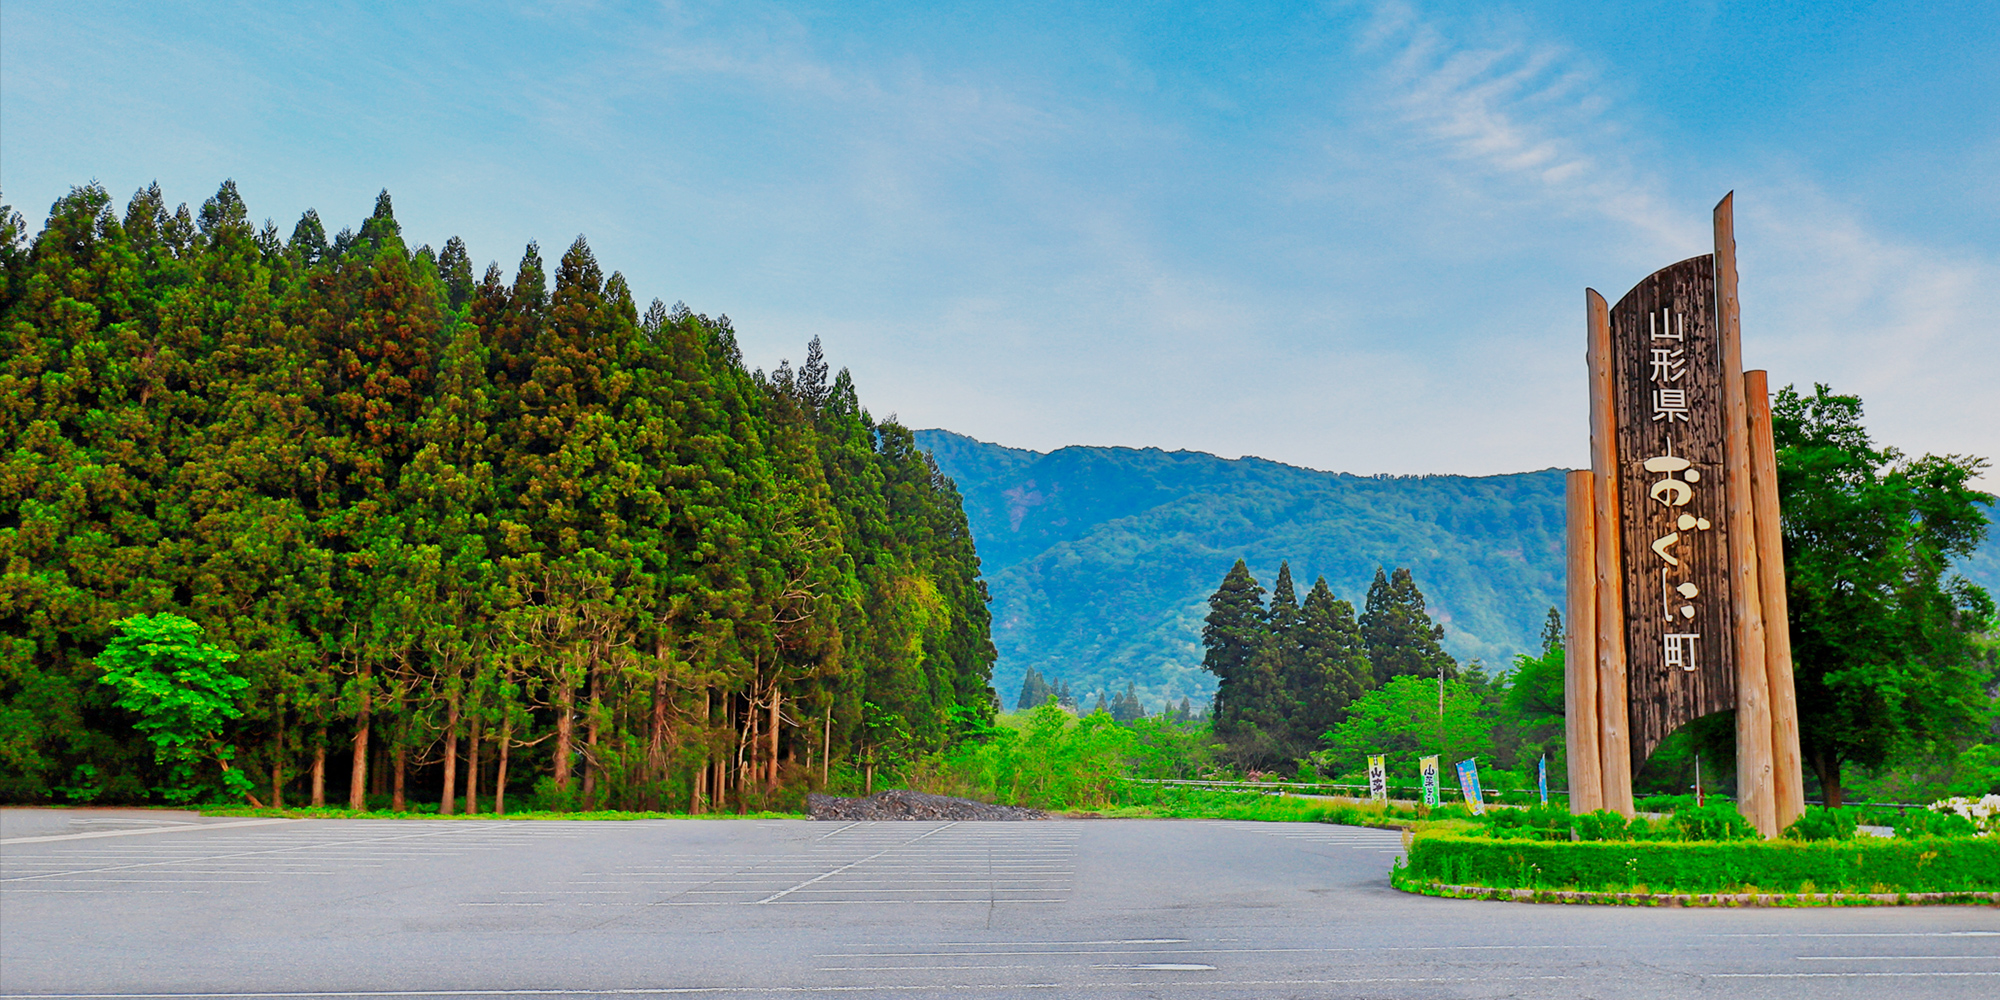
(1101, 560)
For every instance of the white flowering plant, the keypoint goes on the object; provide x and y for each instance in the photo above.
(1982, 812)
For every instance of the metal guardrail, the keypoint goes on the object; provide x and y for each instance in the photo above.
(1444, 791)
(1447, 791)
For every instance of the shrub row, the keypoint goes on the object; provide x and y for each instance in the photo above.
(1970, 864)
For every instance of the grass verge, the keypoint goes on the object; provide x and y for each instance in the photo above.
(1724, 899)
(1203, 803)
(1858, 867)
(330, 812)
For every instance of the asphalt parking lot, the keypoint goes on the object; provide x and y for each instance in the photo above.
(760, 908)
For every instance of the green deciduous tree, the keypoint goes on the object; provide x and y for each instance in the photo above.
(1401, 720)
(1883, 637)
(183, 693)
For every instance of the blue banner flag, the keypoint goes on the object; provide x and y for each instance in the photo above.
(1542, 776)
(1468, 783)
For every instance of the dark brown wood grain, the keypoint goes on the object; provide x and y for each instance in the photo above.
(1672, 310)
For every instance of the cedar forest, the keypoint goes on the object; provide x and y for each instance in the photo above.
(453, 524)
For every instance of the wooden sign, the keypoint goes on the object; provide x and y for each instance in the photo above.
(1668, 371)
(1676, 571)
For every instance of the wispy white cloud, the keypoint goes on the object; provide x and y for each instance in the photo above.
(1511, 116)
(1508, 122)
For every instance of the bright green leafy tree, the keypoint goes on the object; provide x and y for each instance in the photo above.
(183, 692)
(1884, 640)
(1401, 720)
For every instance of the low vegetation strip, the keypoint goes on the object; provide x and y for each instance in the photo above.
(1919, 865)
(333, 812)
(1578, 896)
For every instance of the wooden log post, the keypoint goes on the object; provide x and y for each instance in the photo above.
(1614, 740)
(1586, 774)
(1788, 781)
(1754, 793)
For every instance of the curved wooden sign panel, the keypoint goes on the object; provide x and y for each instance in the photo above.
(1668, 367)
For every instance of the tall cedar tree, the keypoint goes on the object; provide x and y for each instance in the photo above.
(1332, 667)
(1401, 638)
(1231, 636)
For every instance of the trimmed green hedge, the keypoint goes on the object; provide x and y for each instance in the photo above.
(1967, 864)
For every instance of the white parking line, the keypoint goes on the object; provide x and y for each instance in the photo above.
(184, 828)
(1896, 958)
(845, 867)
(954, 988)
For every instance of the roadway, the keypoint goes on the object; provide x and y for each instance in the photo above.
(1083, 908)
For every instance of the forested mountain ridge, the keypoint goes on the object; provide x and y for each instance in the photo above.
(460, 535)
(1101, 560)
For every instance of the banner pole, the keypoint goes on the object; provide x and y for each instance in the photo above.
(1614, 742)
(1586, 776)
(1754, 795)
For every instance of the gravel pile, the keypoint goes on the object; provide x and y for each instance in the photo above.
(899, 803)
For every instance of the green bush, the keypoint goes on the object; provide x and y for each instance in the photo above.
(1664, 803)
(1925, 823)
(1533, 823)
(1607, 825)
(1818, 823)
(1717, 821)
(1051, 762)
(1863, 864)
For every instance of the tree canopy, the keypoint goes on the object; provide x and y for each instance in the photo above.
(1885, 641)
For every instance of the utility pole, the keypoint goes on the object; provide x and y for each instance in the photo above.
(1440, 704)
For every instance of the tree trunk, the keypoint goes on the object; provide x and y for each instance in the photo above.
(751, 760)
(500, 771)
(826, 745)
(472, 769)
(278, 765)
(700, 788)
(357, 784)
(590, 740)
(565, 729)
(656, 745)
(398, 799)
(742, 780)
(1828, 769)
(450, 801)
(704, 789)
(251, 796)
(378, 778)
(777, 699)
(319, 770)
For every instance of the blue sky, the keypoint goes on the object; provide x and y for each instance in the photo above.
(1351, 236)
